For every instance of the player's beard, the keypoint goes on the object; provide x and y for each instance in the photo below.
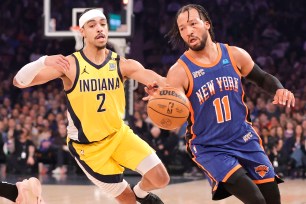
(202, 44)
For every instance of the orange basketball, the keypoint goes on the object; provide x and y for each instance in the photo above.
(168, 108)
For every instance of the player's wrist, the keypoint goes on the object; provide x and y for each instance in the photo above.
(42, 60)
(28, 72)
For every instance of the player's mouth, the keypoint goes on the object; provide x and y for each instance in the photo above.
(100, 36)
(192, 40)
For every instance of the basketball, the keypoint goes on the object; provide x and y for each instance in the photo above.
(168, 108)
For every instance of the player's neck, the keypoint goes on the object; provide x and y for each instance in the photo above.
(95, 55)
(208, 54)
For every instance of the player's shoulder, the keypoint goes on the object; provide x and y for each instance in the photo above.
(177, 67)
(71, 60)
(237, 50)
(125, 62)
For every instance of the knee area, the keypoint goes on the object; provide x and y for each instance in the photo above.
(160, 180)
(113, 189)
(154, 171)
(258, 198)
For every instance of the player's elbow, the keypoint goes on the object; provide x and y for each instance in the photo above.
(15, 83)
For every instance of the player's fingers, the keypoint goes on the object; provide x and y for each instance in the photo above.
(61, 65)
(289, 99)
(282, 97)
(66, 62)
(275, 102)
(146, 98)
(275, 99)
(146, 89)
(286, 96)
(152, 85)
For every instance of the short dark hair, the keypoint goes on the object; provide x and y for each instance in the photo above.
(174, 36)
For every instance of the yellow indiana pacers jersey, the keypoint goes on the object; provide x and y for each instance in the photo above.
(96, 102)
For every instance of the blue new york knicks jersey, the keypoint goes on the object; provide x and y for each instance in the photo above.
(218, 113)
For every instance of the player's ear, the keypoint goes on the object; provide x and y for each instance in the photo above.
(207, 25)
(82, 31)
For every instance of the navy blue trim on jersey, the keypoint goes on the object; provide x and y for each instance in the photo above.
(118, 68)
(76, 75)
(108, 57)
(114, 178)
(76, 121)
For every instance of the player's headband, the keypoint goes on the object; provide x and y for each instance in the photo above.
(90, 15)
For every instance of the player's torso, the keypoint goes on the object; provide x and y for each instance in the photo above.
(96, 101)
(216, 95)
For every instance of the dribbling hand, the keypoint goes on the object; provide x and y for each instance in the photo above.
(284, 97)
(150, 89)
(59, 62)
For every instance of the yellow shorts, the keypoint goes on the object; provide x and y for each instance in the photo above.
(105, 160)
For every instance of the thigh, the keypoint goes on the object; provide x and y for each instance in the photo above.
(257, 164)
(218, 165)
(132, 150)
(270, 191)
(249, 151)
(96, 159)
(242, 187)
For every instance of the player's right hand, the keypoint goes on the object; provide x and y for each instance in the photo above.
(59, 62)
(284, 97)
(150, 89)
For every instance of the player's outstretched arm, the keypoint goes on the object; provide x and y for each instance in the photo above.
(176, 78)
(41, 71)
(266, 81)
(132, 69)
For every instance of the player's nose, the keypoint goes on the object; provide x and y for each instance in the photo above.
(100, 28)
(190, 31)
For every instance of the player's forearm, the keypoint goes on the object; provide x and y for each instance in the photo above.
(161, 81)
(28, 72)
(264, 80)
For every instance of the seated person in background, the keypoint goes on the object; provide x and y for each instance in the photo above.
(45, 153)
(22, 158)
(61, 149)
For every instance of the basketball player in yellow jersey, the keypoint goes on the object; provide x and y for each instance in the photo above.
(97, 137)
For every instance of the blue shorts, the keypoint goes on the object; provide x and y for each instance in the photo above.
(220, 162)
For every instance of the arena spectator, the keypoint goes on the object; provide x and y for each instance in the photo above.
(22, 157)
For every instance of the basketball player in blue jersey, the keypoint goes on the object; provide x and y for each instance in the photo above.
(99, 140)
(219, 137)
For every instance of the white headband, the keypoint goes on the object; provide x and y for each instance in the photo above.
(90, 15)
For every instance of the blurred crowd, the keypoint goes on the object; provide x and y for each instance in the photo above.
(33, 121)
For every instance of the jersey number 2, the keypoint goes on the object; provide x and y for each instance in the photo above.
(219, 110)
(102, 98)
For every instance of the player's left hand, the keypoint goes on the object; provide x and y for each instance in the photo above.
(284, 97)
(150, 89)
